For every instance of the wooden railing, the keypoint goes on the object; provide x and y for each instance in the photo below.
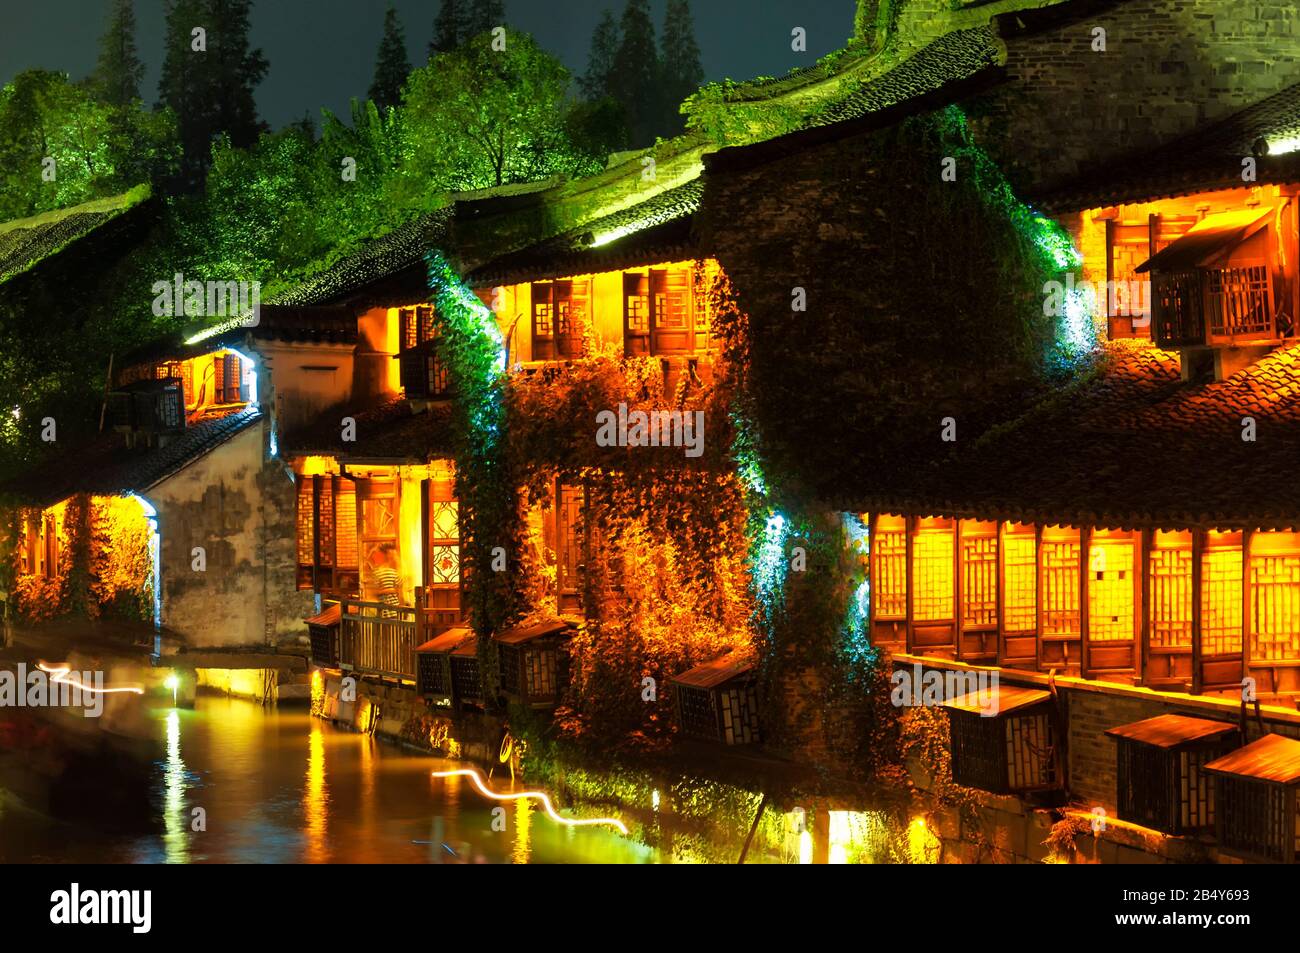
(378, 639)
(1214, 306)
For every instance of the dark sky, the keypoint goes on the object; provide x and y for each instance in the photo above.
(322, 52)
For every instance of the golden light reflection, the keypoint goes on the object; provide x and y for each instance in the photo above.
(523, 830)
(315, 797)
(176, 844)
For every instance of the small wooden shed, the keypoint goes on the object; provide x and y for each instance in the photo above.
(323, 630)
(1159, 768)
(717, 701)
(533, 664)
(1255, 800)
(1003, 741)
(447, 671)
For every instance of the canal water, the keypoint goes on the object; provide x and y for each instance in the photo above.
(278, 786)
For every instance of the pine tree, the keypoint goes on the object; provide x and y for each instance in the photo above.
(636, 82)
(596, 83)
(391, 64)
(448, 28)
(117, 76)
(682, 72)
(211, 90)
(483, 15)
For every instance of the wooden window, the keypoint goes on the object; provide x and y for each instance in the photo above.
(1060, 587)
(890, 559)
(979, 563)
(1110, 590)
(932, 575)
(1240, 299)
(422, 372)
(378, 526)
(50, 544)
(1019, 598)
(636, 314)
(327, 534)
(559, 319)
(1275, 598)
(569, 544)
(1170, 598)
(1221, 599)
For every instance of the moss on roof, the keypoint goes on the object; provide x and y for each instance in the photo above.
(26, 242)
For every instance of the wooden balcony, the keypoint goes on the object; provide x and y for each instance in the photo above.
(1215, 306)
(376, 638)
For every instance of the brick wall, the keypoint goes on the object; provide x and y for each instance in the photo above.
(1168, 66)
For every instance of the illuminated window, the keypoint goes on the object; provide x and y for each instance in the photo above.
(559, 318)
(1060, 573)
(979, 594)
(327, 534)
(1110, 591)
(932, 575)
(1020, 607)
(1221, 600)
(1275, 599)
(1170, 606)
(890, 587)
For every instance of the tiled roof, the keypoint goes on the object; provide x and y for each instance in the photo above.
(392, 430)
(385, 257)
(1132, 446)
(954, 57)
(658, 229)
(1207, 158)
(26, 242)
(105, 466)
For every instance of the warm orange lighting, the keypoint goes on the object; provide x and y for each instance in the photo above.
(536, 795)
(932, 575)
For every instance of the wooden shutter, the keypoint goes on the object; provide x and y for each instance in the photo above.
(306, 532)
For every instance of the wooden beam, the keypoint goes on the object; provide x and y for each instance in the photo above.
(1198, 556)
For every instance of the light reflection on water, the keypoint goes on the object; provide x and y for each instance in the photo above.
(283, 787)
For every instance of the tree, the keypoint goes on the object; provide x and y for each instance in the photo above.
(597, 82)
(391, 65)
(481, 117)
(682, 73)
(636, 76)
(117, 76)
(482, 16)
(210, 86)
(449, 28)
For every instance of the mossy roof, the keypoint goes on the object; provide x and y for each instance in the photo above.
(26, 242)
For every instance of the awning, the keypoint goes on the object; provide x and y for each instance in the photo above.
(527, 633)
(1170, 731)
(1272, 758)
(330, 616)
(998, 700)
(447, 642)
(717, 672)
(1208, 240)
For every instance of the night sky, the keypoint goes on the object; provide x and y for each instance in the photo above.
(322, 52)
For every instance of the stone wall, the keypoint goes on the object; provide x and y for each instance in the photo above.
(1168, 67)
(239, 506)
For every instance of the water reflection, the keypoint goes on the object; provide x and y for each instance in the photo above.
(315, 796)
(175, 836)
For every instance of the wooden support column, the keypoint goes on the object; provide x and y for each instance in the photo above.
(1198, 556)
(909, 528)
(1146, 550)
(1246, 536)
(1038, 596)
(1085, 542)
(873, 574)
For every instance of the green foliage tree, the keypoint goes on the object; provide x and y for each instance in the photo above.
(636, 78)
(391, 65)
(682, 72)
(117, 75)
(488, 116)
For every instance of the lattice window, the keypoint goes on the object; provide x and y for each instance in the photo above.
(444, 565)
(345, 520)
(637, 304)
(932, 577)
(1110, 592)
(306, 521)
(1060, 571)
(1171, 598)
(890, 590)
(979, 599)
(1031, 762)
(671, 297)
(325, 526)
(444, 522)
(1020, 605)
(1275, 616)
(1240, 300)
(539, 672)
(1221, 602)
(543, 318)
